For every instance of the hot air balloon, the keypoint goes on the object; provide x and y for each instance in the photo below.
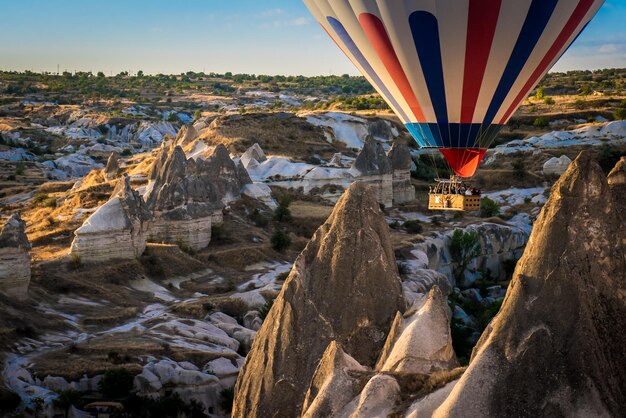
(454, 71)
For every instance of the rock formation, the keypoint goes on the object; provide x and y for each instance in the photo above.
(187, 196)
(401, 161)
(374, 168)
(337, 380)
(617, 183)
(14, 258)
(116, 230)
(557, 346)
(113, 166)
(336, 160)
(186, 135)
(416, 343)
(253, 155)
(350, 258)
(556, 166)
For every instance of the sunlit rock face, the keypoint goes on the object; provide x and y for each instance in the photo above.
(14, 258)
(557, 346)
(617, 183)
(556, 166)
(350, 258)
(187, 196)
(401, 162)
(374, 169)
(116, 230)
(420, 340)
(112, 168)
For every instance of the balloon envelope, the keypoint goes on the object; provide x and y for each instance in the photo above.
(454, 71)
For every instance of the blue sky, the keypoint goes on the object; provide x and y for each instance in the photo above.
(251, 36)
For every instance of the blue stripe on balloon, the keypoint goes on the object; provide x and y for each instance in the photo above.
(425, 32)
(536, 21)
(345, 37)
(463, 135)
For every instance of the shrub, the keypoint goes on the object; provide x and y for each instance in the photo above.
(152, 265)
(282, 212)
(620, 114)
(20, 168)
(258, 219)
(75, 263)
(184, 247)
(540, 122)
(127, 152)
(519, 169)
(197, 115)
(43, 200)
(413, 227)
(67, 399)
(227, 398)
(280, 240)
(548, 101)
(116, 383)
(265, 309)
(488, 208)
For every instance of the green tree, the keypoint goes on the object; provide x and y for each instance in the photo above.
(197, 115)
(116, 383)
(464, 247)
(280, 240)
(66, 400)
(540, 93)
(282, 212)
(488, 208)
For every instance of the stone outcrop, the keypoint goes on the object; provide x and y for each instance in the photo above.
(416, 343)
(116, 230)
(374, 168)
(350, 258)
(556, 166)
(14, 258)
(187, 196)
(498, 244)
(336, 160)
(253, 155)
(557, 346)
(337, 380)
(113, 166)
(401, 162)
(617, 183)
(186, 135)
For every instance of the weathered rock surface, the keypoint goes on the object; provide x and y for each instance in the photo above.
(113, 166)
(186, 135)
(378, 399)
(420, 340)
(617, 183)
(350, 258)
(556, 166)
(557, 346)
(187, 195)
(498, 243)
(14, 258)
(401, 161)
(116, 230)
(336, 160)
(337, 380)
(253, 155)
(374, 169)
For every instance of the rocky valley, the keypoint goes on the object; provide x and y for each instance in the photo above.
(226, 255)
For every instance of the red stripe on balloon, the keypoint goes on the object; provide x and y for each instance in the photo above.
(482, 20)
(574, 21)
(378, 37)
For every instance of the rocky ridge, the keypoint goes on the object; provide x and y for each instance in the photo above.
(14, 258)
